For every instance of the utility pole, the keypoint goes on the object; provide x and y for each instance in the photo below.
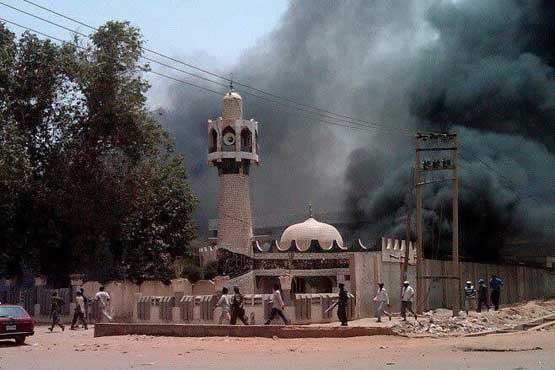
(421, 168)
(419, 241)
(455, 227)
(405, 258)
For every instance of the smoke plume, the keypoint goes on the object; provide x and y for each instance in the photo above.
(483, 69)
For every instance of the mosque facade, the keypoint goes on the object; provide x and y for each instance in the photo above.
(310, 257)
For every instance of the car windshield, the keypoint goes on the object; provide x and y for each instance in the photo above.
(12, 311)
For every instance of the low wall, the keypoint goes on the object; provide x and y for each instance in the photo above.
(188, 330)
(305, 309)
(123, 294)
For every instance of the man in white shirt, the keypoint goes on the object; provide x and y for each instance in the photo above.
(382, 299)
(103, 297)
(407, 294)
(225, 304)
(277, 306)
(79, 313)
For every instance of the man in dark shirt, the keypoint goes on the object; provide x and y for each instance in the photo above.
(341, 305)
(495, 285)
(482, 295)
(237, 310)
(56, 311)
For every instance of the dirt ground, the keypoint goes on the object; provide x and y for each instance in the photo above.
(79, 350)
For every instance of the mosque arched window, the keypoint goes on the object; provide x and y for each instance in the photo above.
(246, 140)
(213, 145)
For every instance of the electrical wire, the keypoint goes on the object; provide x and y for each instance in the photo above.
(298, 106)
(367, 129)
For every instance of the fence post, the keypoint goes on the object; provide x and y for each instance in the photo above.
(136, 301)
(40, 284)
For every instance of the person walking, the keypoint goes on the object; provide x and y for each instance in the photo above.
(495, 285)
(86, 303)
(382, 299)
(79, 313)
(277, 306)
(469, 296)
(237, 310)
(407, 294)
(225, 304)
(482, 295)
(103, 298)
(55, 311)
(341, 305)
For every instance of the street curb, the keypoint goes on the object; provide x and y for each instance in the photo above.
(270, 331)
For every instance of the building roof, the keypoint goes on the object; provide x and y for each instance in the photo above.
(305, 232)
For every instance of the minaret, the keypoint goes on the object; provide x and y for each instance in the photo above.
(232, 148)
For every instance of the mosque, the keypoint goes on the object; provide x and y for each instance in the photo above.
(310, 257)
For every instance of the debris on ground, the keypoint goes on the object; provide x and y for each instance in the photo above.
(468, 349)
(440, 322)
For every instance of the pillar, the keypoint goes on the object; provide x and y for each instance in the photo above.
(285, 282)
(40, 284)
(135, 307)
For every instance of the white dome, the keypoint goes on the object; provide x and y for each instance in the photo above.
(305, 232)
(232, 95)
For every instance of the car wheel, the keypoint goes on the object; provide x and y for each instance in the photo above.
(20, 339)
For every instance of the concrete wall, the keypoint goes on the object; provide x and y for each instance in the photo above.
(203, 287)
(245, 282)
(366, 270)
(123, 293)
(364, 274)
(153, 287)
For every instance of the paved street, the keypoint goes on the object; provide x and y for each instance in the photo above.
(78, 350)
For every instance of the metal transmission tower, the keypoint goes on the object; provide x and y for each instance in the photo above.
(430, 165)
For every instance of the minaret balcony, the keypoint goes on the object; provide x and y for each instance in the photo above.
(238, 156)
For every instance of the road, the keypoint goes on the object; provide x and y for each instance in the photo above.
(79, 350)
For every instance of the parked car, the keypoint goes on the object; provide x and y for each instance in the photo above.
(15, 323)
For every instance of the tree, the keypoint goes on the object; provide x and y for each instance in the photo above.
(105, 195)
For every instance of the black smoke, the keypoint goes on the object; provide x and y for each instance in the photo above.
(483, 69)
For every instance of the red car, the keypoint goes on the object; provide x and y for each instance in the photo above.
(15, 323)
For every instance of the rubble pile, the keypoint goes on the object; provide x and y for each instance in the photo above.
(440, 322)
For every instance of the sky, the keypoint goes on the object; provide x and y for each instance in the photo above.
(216, 30)
(475, 66)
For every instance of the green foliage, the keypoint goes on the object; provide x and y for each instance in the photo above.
(211, 270)
(87, 177)
(192, 272)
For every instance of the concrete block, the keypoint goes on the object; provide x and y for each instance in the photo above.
(154, 313)
(135, 306)
(176, 314)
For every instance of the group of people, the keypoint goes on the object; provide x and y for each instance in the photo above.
(232, 307)
(481, 295)
(470, 294)
(81, 308)
(382, 300)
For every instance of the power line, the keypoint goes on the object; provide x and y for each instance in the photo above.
(347, 120)
(311, 109)
(368, 129)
